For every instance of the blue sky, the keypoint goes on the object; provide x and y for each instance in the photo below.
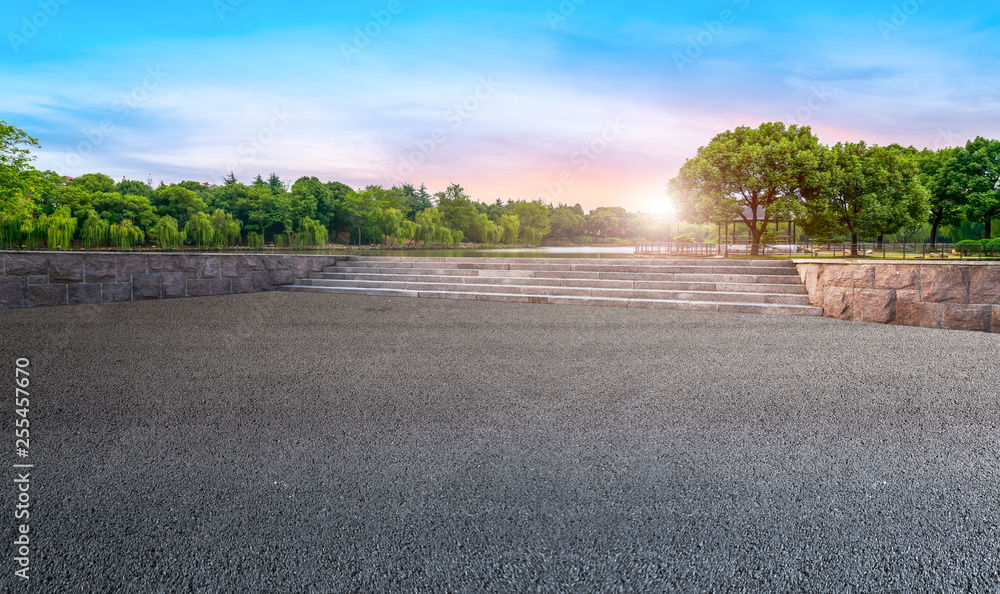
(580, 101)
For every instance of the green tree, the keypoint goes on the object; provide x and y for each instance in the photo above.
(749, 172)
(115, 208)
(167, 233)
(94, 182)
(177, 202)
(457, 208)
(566, 223)
(19, 183)
(979, 166)
(200, 229)
(940, 176)
(534, 219)
(131, 187)
(867, 191)
(511, 226)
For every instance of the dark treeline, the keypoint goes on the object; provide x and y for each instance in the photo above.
(44, 209)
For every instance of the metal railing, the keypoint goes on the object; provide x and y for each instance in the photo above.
(814, 249)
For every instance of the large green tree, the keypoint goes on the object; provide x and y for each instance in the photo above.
(754, 175)
(979, 166)
(940, 176)
(867, 191)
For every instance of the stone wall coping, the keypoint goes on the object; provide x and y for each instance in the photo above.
(839, 262)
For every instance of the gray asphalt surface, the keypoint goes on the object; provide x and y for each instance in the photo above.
(299, 442)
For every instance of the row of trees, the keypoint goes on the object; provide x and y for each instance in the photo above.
(41, 208)
(772, 173)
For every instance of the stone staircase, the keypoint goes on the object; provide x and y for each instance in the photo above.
(735, 286)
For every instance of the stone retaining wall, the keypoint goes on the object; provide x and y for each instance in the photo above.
(30, 279)
(952, 296)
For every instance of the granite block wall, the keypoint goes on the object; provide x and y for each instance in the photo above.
(951, 296)
(31, 279)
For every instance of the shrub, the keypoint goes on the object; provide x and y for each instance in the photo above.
(969, 246)
(685, 238)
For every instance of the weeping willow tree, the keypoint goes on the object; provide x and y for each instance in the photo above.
(59, 228)
(167, 234)
(491, 233)
(532, 236)
(255, 240)
(11, 230)
(227, 229)
(280, 240)
(456, 238)
(511, 226)
(200, 229)
(311, 233)
(406, 231)
(125, 234)
(95, 230)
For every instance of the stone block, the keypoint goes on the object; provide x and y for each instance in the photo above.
(811, 275)
(849, 275)
(282, 277)
(199, 287)
(996, 319)
(277, 262)
(242, 285)
(172, 263)
(66, 268)
(146, 286)
(876, 306)
(38, 279)
(908, 295)
(222, 286)
(838, 302)
(44, 295)
(116, 292)
(81, 293)
(129, 264)
(261, 281)
(984, 285)
(302, 266)
(944, 284)
(230, 266)
(923, 315)
(173, 284)
(13, 292)
(968, 317)
(897, 277)
(247, 264)
(209, 267)
(99, 268)
(25, 264)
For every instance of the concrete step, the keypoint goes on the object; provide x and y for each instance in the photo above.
(745, 287)
(789, 279)
(558, 290)
(765, 308)
(498, 268)
(581, 261)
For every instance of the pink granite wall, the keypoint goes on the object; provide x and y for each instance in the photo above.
(31, 279)
(952, 296)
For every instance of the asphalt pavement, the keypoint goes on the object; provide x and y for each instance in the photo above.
(296, 442)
